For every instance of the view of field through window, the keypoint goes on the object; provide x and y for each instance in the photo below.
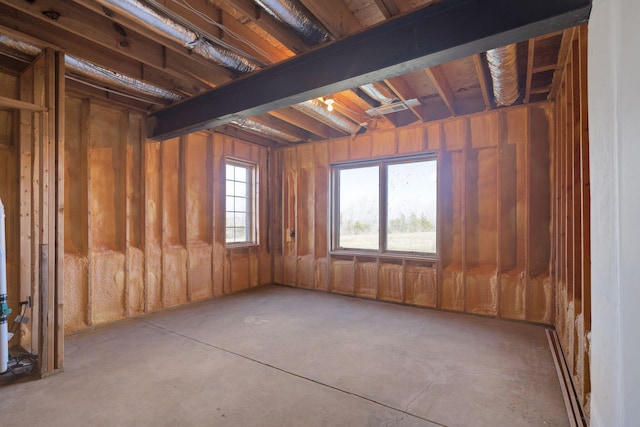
(410, 201)
(237, 204)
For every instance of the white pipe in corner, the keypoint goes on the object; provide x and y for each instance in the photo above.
(4, 309)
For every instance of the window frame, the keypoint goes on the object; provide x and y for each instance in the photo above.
(252, 205)
(382, 164)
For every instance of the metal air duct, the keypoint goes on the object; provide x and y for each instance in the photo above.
(19, 46)
(106, 76)
(169, 28)
(268, 131)
(318, 110)
(504, 74)
(379, 93)
(290, 14)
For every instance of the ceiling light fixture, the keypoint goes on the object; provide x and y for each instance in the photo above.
(329, 101)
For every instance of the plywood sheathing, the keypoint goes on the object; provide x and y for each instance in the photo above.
(571, 255)
(146, 219)
(487, 227)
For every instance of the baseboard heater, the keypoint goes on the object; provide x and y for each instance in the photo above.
(571, 401)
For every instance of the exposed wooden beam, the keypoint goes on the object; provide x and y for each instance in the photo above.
(102, 47)
(305, 122)
(563, 54)
(482, 78)
(265, 21)
(172, 55)
(283, 126)
(543, 68)
(401, 88)
(439, 79)
(335, 16)
(387, 7)
(19, 105)
(238, 133)
(442, 32)
(531, 52)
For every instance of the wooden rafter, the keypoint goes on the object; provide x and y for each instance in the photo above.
(265, 21)
(563, 54)
(388, 8)
(448, 30)
(305, 122)
(439, 79)
(530, 57)
(482, 78)
(335, 16)
(401, 88)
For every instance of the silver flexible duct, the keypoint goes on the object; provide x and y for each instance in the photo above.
(254, 126)
(19, 46)
(379, 93)
(318, 110)
(96, 72)
(103, 75)
(169, 28)
(504, 74)
(288, 13)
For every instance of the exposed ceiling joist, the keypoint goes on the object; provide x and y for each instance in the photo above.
(439, 79)
(482, 78)
(446, 31)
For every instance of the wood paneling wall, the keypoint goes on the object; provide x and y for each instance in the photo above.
(145, 220)
(571, 217)
(494, 242)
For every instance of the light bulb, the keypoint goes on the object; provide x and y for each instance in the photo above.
(330, 107)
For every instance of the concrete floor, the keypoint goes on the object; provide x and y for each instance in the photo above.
(279, 356)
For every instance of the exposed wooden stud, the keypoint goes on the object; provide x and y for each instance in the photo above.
(482, 78)
(530, 57)
(439, 79)
(245, 136)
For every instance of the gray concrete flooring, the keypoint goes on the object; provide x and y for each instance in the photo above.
(278, 356)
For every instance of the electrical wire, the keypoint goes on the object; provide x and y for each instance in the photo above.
(184, 4)
(23, 310)
(113, 91)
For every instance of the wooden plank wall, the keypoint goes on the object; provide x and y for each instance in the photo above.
(571, 218)
(494, 214)
(145, 219)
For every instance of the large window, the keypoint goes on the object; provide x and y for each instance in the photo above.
(386, 206)
(240, 202)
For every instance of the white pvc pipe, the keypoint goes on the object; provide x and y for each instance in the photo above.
(4, 309)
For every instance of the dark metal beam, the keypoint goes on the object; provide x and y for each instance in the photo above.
(445, 31)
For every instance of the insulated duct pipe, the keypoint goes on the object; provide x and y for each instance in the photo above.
(168, 28)
(106, 76)
(318, 110)
(261, 129)
(4, 307)
(504, 74)
(288, 13)
(96, 72)
(379, 93)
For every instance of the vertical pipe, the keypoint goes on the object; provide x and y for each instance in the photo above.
(4, 308)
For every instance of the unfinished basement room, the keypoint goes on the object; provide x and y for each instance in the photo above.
(319, 213)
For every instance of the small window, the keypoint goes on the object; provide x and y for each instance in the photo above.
(240, 203)
(386, 206)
